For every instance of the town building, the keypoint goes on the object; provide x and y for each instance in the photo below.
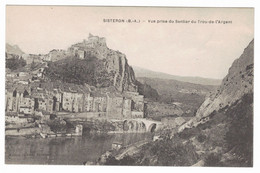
(51, 97)
(27, 105)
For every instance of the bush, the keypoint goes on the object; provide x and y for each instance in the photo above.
(127, 160)
(57, 125)
(53, 116)
(15, 63)
(111, 160)
(189, 132)
(147, 91)
(212, 160)
(201, 138)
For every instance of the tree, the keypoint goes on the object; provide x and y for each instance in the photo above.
(15, 63)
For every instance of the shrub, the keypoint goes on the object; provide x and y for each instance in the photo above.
(147, 91)
(174, 154)
(15, 63)
(212, 160)
(57, 125)
(111, 160)
(201, 138)
(127, 160)
(189, 132)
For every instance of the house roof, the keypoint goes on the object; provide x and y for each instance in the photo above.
(98, 94)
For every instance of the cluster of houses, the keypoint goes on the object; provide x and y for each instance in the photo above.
(53, 97)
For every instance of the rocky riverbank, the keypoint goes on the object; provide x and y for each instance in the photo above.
(117, 154)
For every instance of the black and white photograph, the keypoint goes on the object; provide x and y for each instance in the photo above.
(129, 86)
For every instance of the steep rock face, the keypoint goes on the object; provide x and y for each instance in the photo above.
(124, 77)
(234, 86)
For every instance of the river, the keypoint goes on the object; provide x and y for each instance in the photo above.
(64, 151)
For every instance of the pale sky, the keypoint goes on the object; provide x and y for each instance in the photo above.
(205, 50)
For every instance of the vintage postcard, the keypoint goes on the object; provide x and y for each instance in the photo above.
(142, 86)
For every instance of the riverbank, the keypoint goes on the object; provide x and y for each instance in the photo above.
(132, 149)
(121, 132)
(23, 131)
(117, 155)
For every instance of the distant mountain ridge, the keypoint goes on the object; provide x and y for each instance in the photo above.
(141, 72)
(163, 86)
(13, 49)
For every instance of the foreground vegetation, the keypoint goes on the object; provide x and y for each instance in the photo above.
(225, 140)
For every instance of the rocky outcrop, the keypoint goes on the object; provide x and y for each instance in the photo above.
(115, 62)
(234, 86)
(110, 65)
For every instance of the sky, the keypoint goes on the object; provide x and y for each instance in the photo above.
(184, 49)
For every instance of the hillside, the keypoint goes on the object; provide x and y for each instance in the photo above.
(176, 97)
(15, 50)
(225, 141)
(91, 62)
(237, 83)
(141, 72)
(225, 119)
(79, 71)
(221, 133)
(167, 86)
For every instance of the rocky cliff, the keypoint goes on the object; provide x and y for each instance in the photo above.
(237, 83)
(109, 65)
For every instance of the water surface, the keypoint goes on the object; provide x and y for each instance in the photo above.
(65, 151)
